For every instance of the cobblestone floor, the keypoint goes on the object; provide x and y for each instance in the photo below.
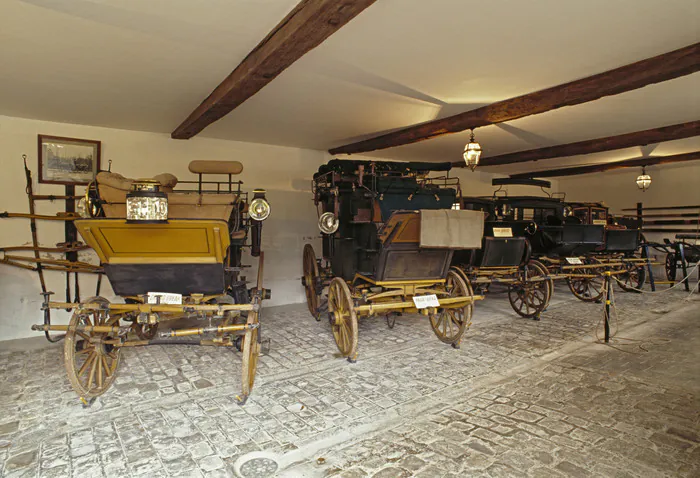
(519, 398)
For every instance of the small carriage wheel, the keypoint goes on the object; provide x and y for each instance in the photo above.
(671, 266)
(450, 324)
(529, 298)
(90, 363)
(251, 352)
(587, 289)
(633, 279)
(310, 279)
(343, 318)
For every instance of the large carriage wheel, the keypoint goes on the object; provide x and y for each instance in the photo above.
(251, 352)
(343, 318)
(587, 289)
(671, 266)
(311, 275)
(633, 279)
(550, 282)
(450, 324)
(91, 364)
(529, 298)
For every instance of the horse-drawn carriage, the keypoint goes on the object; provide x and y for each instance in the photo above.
(170, 254)
(389, 233)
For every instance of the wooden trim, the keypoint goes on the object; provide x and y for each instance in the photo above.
(599, 168)
(303, 29)
(610, 143)
(613, 82)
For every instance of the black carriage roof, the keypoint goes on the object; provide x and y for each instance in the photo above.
(350, 166)
(588, 204)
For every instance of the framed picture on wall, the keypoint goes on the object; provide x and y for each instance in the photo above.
(68, 160)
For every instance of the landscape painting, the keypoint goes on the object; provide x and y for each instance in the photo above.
(68, 160)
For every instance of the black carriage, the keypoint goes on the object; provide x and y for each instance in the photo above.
(389, 232)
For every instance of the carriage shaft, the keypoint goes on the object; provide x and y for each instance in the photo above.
(98, 329)
(448, 302)
(153, 308)
(221, 329)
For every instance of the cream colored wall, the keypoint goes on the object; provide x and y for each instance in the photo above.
(285, 173)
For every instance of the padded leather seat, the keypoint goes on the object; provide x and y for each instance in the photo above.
(113, 188)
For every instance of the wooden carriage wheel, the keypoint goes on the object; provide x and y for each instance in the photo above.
(550, 282)
(450, 323)
(587, 289)
(529, 298)
(671, 266)
(251, 352)
(343, 318)
(90, 363)
(633, 279)
(311, 275)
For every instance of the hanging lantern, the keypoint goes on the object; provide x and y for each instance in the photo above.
(643, 180)
(472, 153)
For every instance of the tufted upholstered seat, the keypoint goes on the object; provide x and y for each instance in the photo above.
(113, 188)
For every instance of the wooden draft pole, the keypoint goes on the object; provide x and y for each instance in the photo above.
(599, 168)
(613, 82)
(303, 29)
(610, 143)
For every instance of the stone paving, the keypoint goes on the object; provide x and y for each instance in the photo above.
(520, 397)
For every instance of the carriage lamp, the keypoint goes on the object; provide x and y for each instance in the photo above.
(328, 223)
(259, 208)
(568, 211)
(146, 203)
(472, 153)
(643, 180)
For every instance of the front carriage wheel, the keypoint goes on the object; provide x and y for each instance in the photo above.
(91, 364)
(530, 297)
(311, 275)
(450, 324)
(633, 279)
(251, 352)
(587, 289)
(343, 318)
(671, 266)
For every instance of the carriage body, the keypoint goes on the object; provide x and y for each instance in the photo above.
(169, 254)
(389, 232)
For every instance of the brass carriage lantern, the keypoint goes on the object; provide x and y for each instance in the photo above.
(643, 180)
(146, 203)
(472, 152)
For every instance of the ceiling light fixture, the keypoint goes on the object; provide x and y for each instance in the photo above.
(643, 180)
(472, 152)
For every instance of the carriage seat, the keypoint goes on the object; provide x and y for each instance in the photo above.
(113, 188)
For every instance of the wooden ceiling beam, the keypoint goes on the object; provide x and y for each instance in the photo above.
(613, 82)
(599, 168)
(610, 143)
(304, 28)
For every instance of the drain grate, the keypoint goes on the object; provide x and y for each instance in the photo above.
(257, 466)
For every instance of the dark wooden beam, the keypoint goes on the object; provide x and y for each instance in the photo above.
(620, 80)
(610, 143)
(599, 168)
(304, 28)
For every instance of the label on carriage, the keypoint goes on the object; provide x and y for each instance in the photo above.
(574, 260)
(502, 232)
(165, 298)
(423, 301)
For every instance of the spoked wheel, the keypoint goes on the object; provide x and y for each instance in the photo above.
(90, 362)
(251, 352)
(550, 283)
(530, 297)
(311, 275)
(449, 324)
(343, 318)
(671, 266)
(587, 289)
(633, 279)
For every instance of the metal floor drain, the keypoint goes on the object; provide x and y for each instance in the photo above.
(256, 465)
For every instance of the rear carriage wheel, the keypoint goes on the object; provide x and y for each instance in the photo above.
(343, 318)
(251, 352)
(671, 266)
(587, 289)
(311, 276)
(449, 324)
(530, 297)
(91, 364)
(633, 278)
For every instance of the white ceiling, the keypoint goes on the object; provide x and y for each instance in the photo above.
(146, 65)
